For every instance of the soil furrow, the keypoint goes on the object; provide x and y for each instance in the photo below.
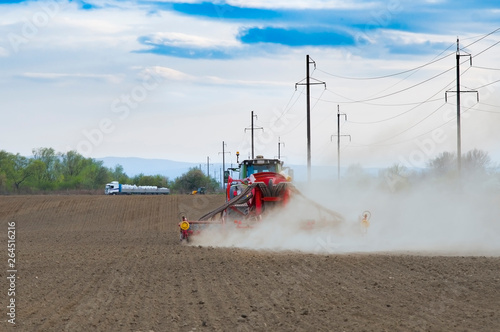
(115, 264)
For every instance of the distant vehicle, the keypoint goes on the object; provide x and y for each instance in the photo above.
(200, 191)
(115, 188)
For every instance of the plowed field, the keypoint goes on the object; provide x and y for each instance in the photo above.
(99, 263)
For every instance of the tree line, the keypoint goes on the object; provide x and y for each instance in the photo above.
(477, 169)
(48, 171)
(51, 171)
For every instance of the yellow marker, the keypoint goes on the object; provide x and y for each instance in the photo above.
(184, 225)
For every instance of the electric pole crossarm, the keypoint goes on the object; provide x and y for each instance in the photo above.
(331, 137)
(318, 82)
(471, 91)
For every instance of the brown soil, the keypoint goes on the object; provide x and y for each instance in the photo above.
(99, 263)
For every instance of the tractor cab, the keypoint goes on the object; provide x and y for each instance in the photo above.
(249, 169)
(259, 165)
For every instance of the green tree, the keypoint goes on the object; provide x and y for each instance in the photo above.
(192, 180)
(51, 161)
(473, 162)
(39, 178)
(445, 163)
(18, 169)
(118, 174)
(356, 175)
(72, 163)
(93, 175)
(3, 183)
(5, 163)
(396, 177)
(476, 161)
(151, 180)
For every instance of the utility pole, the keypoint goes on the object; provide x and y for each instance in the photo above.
(208, 166)
(338, 139)
(279, 147)
(459, 134)
(223, 164)
(308, 109)
(252, 128)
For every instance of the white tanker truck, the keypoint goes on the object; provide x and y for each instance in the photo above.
(115, 188)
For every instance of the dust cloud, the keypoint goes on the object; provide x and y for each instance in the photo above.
(425, 217)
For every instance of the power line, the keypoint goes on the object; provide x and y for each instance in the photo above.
(482, 86)
(410, 87)
(411, 109)
(478, 67)
(486, 49)
(416, 124)
(286, 109)
(458, 75)
(409, 75)
(371, 104)
(390, 75)
(366, 101)
(415, 137)
(483, 103)
(407, 129)
(480, 110)
(352, 101)
(392, 117)
(486, 35)
(418, 67)
(403, 141)
(402, 90)
(303, 117)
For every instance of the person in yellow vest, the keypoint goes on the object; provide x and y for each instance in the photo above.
(365, 220)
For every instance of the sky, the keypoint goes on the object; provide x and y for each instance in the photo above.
(179, 80)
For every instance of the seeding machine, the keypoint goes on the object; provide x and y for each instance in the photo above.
(263, 186)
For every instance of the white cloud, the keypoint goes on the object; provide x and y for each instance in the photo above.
(93, 25)
(94, 51)
(58, 76)
(167, 73)
(176, 75)
(304, 4)
(180, 39)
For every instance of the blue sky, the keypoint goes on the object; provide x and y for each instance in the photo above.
(173, 79)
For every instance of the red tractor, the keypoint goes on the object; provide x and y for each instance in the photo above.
(261, 187)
